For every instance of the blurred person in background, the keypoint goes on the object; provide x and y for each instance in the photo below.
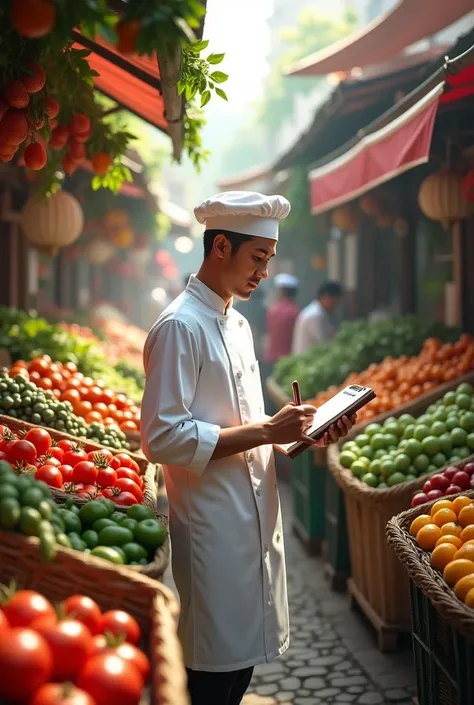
(281, 318)
(314, 324)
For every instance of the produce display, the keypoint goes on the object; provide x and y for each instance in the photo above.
(451, 481)
(357, 345)
(24, 400)
(82, 657)
(400, 381)
(406, 447)
(447, 533)
(89, 398)
(26, 506)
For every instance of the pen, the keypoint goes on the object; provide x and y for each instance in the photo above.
(296, 393)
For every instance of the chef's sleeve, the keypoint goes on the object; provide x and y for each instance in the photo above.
(170, 435)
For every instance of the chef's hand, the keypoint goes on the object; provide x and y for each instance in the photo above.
(290, 424)
(338, 430)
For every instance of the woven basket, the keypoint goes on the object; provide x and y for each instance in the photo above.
(418, 566)
(112, 587)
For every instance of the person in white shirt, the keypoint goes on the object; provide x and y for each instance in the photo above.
(203, 418)
(314, 325)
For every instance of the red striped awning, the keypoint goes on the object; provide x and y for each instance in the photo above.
(377, 157)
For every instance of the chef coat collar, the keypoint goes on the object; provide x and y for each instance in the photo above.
(202, 292)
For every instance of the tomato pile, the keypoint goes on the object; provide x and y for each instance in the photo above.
(68, 467)
(89, 657)
(89, 398)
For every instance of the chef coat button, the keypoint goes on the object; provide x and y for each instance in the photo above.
(278, 537)
(241, 322)
(221, 321)
(258, 492)
(239, 374)
(250, 457)
(252, 367)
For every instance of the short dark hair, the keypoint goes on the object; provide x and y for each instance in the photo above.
(329, 289)
(236, 240)
(290, 291)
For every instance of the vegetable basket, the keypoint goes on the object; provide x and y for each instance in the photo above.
(112, 587)
(442, 625)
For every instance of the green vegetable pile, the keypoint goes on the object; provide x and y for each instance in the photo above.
(25, 401)
(357, 345)
(26, 506)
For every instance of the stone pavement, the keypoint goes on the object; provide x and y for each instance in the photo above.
(333, 656)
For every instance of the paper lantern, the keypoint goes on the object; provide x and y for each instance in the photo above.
(52, 222)
(440, 197)
(344, 218)
(467, 187)
(98, 252)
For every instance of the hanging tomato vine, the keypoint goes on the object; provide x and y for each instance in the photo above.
(49, 117)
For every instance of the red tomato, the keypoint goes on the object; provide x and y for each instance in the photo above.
(127, 462)
(70, 644)
(3, 621)
(126, 485)
(65, 445)
(66, 472)
(85, 472)
(26, 606)
(111, 493)
(106, 477)
(85, 610)
(56, 452)
(131, 474)
(51, 475)
(120, 623)
(110, 679)
(100, 456)
(131, 654)
(91, 490)
(107, 396)
(26, 661)
(48, 459)
(22, 452)
(40, 439)
(74, 456)
(61, 694)
(125, 499)
(121, 401)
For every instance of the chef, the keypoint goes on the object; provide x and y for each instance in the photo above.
(203, 418)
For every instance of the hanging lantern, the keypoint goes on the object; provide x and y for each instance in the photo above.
(370, 204)
(344, 218)
(52, 222)
(440, 197)
(98, 252)
(467, 188)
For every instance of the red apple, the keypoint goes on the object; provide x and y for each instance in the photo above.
(461, 479)
(469, 468)
(419, 498)
(434, 494)
(439, 482)
(450, 472)
(453, 489)
(427, 486)
(472, 482)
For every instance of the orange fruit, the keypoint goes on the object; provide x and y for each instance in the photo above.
(451, 529)
(463, 586)
(457, 569)
(460, 502)
(467, 534)
(466, 551)
(466, 516)
(453, 540)
(442, 555)
(441, 504)
(419, 522)
(444, 516)
(427, 536)
(469, 599)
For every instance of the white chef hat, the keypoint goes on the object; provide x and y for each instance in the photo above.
(243, 212)
(286, 281)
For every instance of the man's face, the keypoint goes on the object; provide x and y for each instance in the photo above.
(330, 303)
(245, 269)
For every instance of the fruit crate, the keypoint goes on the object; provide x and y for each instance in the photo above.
(308, 479)
(336, 541)
(112, 587)
(442, 625)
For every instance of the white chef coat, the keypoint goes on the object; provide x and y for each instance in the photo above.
(225, 521)
(313, 326)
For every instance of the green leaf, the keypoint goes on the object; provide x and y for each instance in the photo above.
(219, 77)
(215, 58)
(181, 86)
(197, 47)
(96, 183)
(222, 94)
(205, 98)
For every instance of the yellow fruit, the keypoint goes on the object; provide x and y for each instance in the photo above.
(441, 504)
(466, 516)
(442, 555)
(460, 502)
(469, 599)
(467, 534)
(463, 586)
(444, 516)
(451, 529)
(427, 536)
(455, 570)
(419, 522)
(466, 551)
(453, 540)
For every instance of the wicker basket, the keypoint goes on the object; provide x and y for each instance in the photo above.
(113, 587)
